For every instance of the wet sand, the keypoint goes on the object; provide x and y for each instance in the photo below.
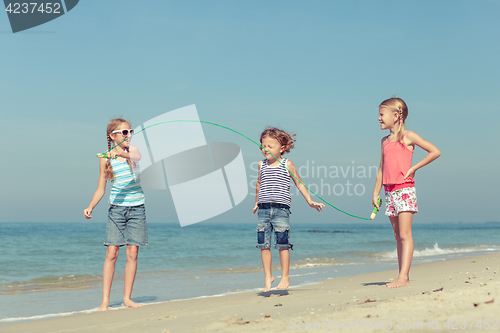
(460, 295)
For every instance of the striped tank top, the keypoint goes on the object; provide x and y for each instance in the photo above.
(126, 188)
(274, 184)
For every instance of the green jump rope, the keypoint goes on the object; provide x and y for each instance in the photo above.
(105, 155)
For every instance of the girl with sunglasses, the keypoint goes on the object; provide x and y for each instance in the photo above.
(126, 215)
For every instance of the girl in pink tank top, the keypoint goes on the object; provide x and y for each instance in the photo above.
(397, 175)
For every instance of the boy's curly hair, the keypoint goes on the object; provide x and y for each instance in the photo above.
(285, 139)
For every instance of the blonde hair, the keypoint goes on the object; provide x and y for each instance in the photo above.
(398, 106)
(285, 139)
(112, 126)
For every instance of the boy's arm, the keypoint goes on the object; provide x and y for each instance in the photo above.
(99, 193)
(433, 152)
(303, 190)
(257, 187)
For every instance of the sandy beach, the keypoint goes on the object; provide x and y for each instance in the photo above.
(461, 294)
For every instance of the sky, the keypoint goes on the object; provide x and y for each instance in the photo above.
(318, 69)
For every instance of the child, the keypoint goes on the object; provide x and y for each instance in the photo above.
(397, 176)
(273, 200)
(126, 214)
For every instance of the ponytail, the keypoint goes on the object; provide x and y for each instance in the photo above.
(398, 106)
(401, 130)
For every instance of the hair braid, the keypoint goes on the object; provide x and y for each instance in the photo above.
(112, 125)
(397, 105)
(108, 170)
(401, 130)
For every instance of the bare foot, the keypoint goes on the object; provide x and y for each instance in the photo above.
(103, 307)
(398, 283)
(284, 283)
(267, 285)
(131, 304)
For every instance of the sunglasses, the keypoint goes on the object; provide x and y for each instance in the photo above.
(125, 132)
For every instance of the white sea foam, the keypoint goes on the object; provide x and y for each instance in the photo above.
(314, 262)
(46, 316)
(297, 264)
(436, 250)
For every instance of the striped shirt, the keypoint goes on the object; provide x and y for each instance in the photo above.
(274, 184)
(126, 188)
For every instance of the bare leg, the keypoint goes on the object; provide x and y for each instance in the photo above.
(130, 270)
(108, 271)
(395, 226)
(405, 255)
(285, 269)
(267, 259)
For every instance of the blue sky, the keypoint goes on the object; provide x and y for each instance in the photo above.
(318, 69)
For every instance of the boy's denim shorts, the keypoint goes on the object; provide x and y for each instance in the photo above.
(126, 226)
(273, 216)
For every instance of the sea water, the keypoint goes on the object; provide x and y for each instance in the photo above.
(54, 269)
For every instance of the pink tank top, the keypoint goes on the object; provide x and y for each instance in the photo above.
(397, 162)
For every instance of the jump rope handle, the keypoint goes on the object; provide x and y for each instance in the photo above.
(103, 156)
(375, 209)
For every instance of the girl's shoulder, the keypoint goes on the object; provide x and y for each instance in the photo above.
(410, 133)
(410, 137)
(103, 161)
(102, 167)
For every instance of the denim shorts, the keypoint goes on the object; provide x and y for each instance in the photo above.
(273, 216)
(126, 226)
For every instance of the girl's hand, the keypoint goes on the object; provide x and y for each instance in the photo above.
(432, 152)
(87, 213)
(255, 209)
(113, 154)
(375, 202)
(410, 174)
(316, 205)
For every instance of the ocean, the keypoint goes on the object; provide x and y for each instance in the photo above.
(54, 269)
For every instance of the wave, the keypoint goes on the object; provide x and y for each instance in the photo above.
(436, 250)
(315, 262)
(330, 231)
(298, 264)
(238, 270)
(51, 315)
(65, 282)
(64, 314)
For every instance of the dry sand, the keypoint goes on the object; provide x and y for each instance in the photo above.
(444, 296)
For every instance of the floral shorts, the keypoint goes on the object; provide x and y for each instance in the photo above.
(402, 200)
